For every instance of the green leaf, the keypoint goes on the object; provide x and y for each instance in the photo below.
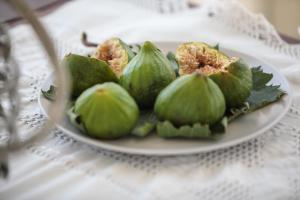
(50, 93)
(260, 78)
(264, 96)
(75, 119)
(135, 48)
(220, 127)
(173, 62)
(261, 95)
(145, 125)
(236, 112)
(167, 130)
(143, 129)
(217, 47)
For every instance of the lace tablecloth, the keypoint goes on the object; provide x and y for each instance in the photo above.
(59, 167)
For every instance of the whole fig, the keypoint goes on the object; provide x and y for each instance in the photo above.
(147, 74)
(106, 111)
(191, 99)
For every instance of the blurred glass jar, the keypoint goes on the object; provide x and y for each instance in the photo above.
(9, 98)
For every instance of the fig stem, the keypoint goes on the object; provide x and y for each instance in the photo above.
(85, 42)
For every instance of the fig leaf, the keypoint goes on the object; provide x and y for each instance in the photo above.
(75, 119)
(262, 93)
(217, 47)
(264, 96)
(145, 125)
(166, 129)
(173, 62)
(260, 78)
(135, 48)
(50, 93)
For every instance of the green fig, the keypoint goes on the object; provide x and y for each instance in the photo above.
(116, 53)
(106, 111)
(191, 99)
(86, 72)
(147, 74)
(235, 82)
(232, 75)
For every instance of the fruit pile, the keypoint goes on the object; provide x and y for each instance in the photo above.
(188, 94)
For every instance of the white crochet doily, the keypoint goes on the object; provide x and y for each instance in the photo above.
(250, 170)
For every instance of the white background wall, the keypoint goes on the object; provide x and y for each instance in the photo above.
(284, 14)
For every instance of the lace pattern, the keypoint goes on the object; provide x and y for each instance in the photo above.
(254, 25)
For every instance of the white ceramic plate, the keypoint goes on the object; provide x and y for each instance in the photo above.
(240, 130)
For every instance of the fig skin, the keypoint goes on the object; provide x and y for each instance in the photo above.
(147, 74)
(116, 53)
(235, 83)
(86, 72)
(106, 111)
(232, 75)
(191, 99)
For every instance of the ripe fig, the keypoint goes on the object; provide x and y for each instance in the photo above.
(106, 111)
(191, 99)
(235, 82)
(232, 75)
(147, 74)
(116, 53)
(86, 72)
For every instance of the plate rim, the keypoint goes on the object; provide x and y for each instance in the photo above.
(194, 150)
